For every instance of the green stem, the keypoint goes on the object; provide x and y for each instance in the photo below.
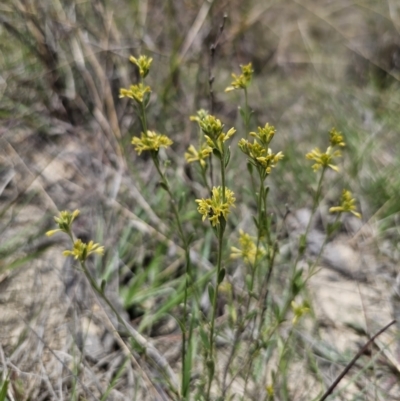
(184, 388)
(220, 233)
(301, 251)
(204, 177)
(214, 314)
(143, 118)
(246, 113)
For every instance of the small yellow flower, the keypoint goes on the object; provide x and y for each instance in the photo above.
(261, 157)
(201, 114)
(336, 138)
(135, 92)
(270, 160)
(299, 310)
(214, 208)
(192, 155)
(347, 204)
(64, 222)
(323, 159)
(243, 80)
(264, 134)
(212, 128)
(81, 251)
(248, 249)
(151, 141)
(143, 63)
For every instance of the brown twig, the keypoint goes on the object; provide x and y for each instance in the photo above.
(211, 78)
(354, 360)
(213, 49)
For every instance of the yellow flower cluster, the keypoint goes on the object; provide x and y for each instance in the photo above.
(260, 155)
(248, 249)
(81, 250)
(347, 204)
(143, 63)
(243, 80)
(212, 128)
(151, 141)
(264, 134)
(135, 92)
(193, 155)
(325, 159)
(336, 138)
(216, 207)
(64, 222)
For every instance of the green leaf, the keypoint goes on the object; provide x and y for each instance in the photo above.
(189, 239)
(302, 244)
(217, 153)
(297, 282)
(221, 276)
(163, 185)
(251, 315)
(331, 228)
(250, 167)
(181, 201)
(222, 224)
(3, 391)
(256, 222)
(103, 285)
(248, 281)
(204, 339)
(146, 99)
(227, 156)
(180, 323)
(211, 367)
(243, 113)
(211, 293)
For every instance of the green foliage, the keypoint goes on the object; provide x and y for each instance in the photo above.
(3, 390)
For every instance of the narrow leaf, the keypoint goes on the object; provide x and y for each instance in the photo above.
(221, 276)
(211, 293)
(227, 156)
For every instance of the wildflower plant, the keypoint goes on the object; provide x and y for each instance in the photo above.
(216, 209)
(258, 314)
(151, 142)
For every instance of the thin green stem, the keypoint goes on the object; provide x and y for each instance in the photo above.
(220, 233)
(246, 113)
(204, 177)
(184, 388)
(185, 243)
(223, 177)
(303, 244)
(143, 118)
(214, 314)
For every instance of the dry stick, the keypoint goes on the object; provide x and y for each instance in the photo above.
(194, 30)
(354, 360)
(211, 78)
(64, 365)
